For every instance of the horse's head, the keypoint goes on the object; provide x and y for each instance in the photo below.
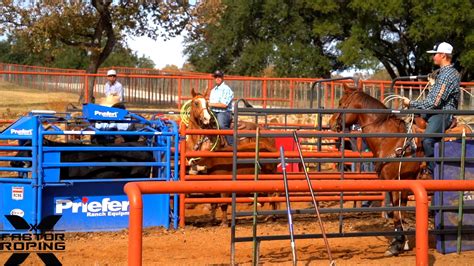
(200, 109)
(347, 101)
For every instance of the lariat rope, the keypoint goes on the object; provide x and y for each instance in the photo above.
(411, 119)
(185, 114)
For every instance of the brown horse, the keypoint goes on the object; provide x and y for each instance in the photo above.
(354, 98)
(223, 166)
(200, 117)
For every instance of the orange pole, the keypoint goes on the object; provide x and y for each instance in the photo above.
(292, 93)
(289, 154)
(291, 176)
(182, 173)
(283, 199)
(135, 224)
(134, 191)
(86, 88)
(421, 200)
(180, 93)
(264, 93)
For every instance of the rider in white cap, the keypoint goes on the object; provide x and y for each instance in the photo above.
(443, 95)
(113, 87)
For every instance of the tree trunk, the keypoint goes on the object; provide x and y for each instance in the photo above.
(104, 27)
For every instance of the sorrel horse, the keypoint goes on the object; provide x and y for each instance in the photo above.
(223, 166)
(201, 118)
(354, 98)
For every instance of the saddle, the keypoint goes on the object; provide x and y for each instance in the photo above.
(454, 128)
(244, 125)
(241, 125)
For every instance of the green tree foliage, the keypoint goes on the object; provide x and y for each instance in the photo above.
(314, 37)
(245, 37)
(16, 51)
(398, 33)
(94, 27)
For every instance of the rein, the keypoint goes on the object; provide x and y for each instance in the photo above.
(346, 104)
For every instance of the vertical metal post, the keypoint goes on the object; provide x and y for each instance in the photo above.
(288, 206)
(461, 193)
(255, 200)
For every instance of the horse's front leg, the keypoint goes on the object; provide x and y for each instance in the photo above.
(397, 245)
(224, 220)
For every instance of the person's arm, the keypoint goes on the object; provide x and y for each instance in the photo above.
(107, 89)
(121, 91)
(225, 99)
(435, 96)
(218, 105)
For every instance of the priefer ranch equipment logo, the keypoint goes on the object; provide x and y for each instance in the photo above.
(32, 238)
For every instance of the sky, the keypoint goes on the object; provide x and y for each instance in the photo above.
(162, 52)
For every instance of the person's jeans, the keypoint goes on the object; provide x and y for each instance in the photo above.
(436, 124)
(224, 119)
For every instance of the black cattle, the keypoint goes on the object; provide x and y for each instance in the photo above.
(97, 172)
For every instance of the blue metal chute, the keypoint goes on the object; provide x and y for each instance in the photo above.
(78, 200)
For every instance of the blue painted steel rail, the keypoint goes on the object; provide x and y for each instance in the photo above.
(37, 190)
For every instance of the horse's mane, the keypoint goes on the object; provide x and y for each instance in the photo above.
(369, 102)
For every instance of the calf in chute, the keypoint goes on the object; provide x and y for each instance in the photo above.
(96, 172)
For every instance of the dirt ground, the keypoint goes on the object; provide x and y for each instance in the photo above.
(201, 243)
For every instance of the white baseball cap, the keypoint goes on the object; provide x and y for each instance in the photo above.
(443, 47)
(111, 73)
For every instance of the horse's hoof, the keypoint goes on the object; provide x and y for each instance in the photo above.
(190, 206)
(225, 224)
(270, 218)
(393, 250)
(201, 168)
(406, 246)
(389, 253)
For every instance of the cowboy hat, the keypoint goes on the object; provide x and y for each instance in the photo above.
(110, 100)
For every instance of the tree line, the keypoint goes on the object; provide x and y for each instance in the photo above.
(15, 50)
(286, 38)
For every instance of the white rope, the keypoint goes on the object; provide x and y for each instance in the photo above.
(465, 90)
(411, 118)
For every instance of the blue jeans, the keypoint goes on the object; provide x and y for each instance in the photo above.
(436, 124)
(224, 119)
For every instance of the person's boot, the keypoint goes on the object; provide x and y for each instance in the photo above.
(426, 174)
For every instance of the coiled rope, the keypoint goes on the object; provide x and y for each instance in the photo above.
(185, 114)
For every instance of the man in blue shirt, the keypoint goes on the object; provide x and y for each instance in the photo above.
(444, 95)
(220, 102)
(113, 87)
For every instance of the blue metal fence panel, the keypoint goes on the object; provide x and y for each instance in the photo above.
(85, 205)
(447, 243)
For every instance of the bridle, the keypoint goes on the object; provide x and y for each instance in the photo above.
(346, 104)
(199, 122)
(202, 109)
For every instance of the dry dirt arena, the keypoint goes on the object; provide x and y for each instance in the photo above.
(201, 243)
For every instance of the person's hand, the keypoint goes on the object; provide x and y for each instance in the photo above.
(406, 102)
